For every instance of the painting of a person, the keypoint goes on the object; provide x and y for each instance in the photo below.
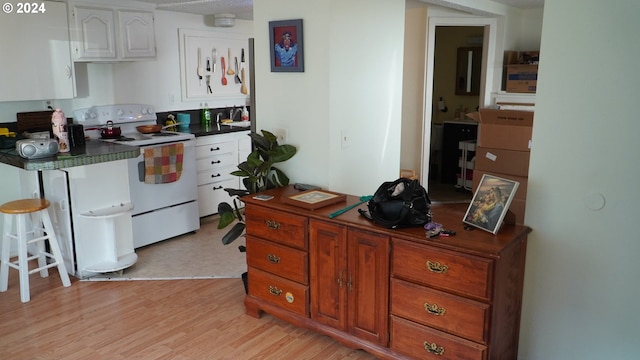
(489, 205)
(497, 206)
(286, 50)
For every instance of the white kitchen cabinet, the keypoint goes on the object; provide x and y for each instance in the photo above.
(35, 57)
(137, 34)
(216, 157)
(110, 33)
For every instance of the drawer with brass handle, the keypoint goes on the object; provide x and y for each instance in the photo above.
(427, 265)
(283, 228)
(451, 313)
(280, 260)
(422, 342)
(284, 293)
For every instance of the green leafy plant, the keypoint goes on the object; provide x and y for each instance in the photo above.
(259, 174)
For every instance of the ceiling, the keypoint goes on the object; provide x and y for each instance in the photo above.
(243, 9)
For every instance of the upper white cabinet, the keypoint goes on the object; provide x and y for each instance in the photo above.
(111, 33)
(35, 57)
(137, 35)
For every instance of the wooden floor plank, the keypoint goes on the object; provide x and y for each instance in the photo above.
(172, 319)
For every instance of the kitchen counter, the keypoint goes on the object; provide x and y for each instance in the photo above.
(99, 151)
(200, 130)
(95, 152)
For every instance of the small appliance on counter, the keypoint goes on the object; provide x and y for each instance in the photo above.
(37, 148)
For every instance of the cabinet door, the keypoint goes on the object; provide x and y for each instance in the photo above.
(137, 34)
(94, 33)
(368, 285)
(35, 57)
(328, 273)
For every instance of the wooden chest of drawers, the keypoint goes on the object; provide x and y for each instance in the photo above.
(397, 294)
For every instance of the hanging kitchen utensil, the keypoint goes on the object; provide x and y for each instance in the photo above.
(208, 64)
(237, 78)
(214, 58)
(224, 77)
(243, 88)
(242, 59)
(208, 82)
(230, 70)
(199, 67)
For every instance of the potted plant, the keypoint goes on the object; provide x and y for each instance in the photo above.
(259, 174)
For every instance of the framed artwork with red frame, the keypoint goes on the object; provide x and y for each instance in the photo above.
(286, 43)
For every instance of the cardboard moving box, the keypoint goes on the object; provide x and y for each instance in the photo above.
(502, 161)
(522, 78)
(505, 129)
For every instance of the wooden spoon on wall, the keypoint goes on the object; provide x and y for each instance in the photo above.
(230, 70)
(243, 88)
(224, 76)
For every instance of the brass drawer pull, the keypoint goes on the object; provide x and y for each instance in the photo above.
(272, 224)
(274, 259)
(434, 309)
(436, 267)
(274, 291)
(433, 348)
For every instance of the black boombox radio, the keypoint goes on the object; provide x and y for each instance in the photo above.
(36, 148)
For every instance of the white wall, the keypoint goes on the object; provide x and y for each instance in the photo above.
(581, 287)
(352, 84)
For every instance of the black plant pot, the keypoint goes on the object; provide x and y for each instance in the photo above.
(245, 281)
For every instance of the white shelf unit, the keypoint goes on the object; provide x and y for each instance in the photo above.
(466, 163)
(117, 255)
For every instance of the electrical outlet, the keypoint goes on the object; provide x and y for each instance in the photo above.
(281, 135)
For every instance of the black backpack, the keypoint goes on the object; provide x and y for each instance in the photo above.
(400, 203)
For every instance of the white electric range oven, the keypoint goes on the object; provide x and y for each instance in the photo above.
(160, 210)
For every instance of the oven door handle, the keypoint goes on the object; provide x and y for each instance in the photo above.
(141, 171)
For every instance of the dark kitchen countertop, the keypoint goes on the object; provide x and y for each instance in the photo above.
(200, 130)
(94, 152)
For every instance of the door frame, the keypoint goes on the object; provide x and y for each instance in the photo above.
(487, 77)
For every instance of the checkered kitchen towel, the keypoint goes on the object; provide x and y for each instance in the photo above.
(163, 164)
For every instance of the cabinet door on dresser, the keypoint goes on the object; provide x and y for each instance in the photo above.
(349, 277)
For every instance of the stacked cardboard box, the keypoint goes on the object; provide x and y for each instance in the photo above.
(504, 141)
(521, 71)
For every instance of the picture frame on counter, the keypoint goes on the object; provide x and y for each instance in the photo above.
(285, 37)
(490, 203)
(314, 199)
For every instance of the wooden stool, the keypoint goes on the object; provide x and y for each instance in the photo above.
(36, 210)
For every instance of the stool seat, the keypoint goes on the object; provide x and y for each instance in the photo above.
(24, 206)
(33, 212)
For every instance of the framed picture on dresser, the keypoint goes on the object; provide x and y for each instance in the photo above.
(490, 203)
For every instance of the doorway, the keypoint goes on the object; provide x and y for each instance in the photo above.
(434, 116)
(456, 91)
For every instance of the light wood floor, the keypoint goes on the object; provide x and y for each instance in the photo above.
(176, 319)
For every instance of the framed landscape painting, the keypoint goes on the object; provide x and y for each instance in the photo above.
(490, 203)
